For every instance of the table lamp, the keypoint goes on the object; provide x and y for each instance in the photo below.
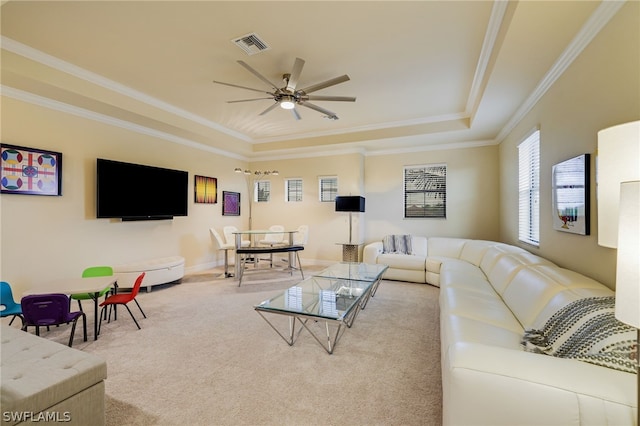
(628, 266)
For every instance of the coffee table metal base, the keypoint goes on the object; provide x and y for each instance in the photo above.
(331, 338)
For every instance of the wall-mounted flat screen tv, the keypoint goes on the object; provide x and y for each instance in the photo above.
(138, 192)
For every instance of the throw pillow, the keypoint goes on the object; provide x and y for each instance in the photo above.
(587, 330)
(396, 244)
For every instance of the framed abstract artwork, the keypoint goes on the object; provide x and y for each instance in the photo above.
(570, 195)
(30, 171)
(230, 203)
(206, 190)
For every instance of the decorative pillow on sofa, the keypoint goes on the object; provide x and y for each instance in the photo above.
(397, 244)
(587, 330)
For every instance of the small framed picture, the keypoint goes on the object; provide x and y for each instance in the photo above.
(30, 171)
(206, 190)
(570, 195)
(230, 203)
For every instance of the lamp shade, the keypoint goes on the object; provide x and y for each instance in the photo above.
(628, 269)
(618, 160)
(350, 203)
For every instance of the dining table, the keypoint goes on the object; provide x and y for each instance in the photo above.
(253, 233)
(77, 285)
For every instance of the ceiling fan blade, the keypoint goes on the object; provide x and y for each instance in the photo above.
(240, 87)
(331, 98)
(275, 104)
(331, 115)
(247, 100)
(332, 82)
(295, 113)
(295, 74)
(260, 76)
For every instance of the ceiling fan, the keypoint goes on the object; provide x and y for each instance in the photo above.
(289, 96)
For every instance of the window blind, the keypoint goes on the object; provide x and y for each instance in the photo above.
(529, 189)
(328, 188)
(293, 189)
(425, 191)
(263, 191)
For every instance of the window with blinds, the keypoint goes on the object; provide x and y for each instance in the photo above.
(328, 188)
(263, 191)
(529, 189)
(293, 189)
(425, 191)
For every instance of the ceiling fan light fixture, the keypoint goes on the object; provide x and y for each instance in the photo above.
(287, 103)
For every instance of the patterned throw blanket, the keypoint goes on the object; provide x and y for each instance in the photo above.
(397, 244)
(587, 330)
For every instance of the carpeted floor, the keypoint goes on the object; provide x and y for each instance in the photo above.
(205, 357)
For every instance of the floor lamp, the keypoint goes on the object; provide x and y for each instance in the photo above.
(628, 266)
(252, 182)
(351, 204)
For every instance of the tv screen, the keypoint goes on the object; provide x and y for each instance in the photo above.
(136, 192)
(351, 203)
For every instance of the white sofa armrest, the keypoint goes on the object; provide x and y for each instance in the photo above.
(371, 252)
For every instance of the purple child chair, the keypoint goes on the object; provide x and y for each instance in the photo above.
(50, 309)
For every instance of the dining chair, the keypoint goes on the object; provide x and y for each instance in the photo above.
(123, 299)
(9, 306)
(230, 237)
(44, 310)
(94, 271)
(275, 239)
(226, 246)
(301, 237)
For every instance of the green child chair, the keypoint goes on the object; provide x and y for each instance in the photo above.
(94, 271)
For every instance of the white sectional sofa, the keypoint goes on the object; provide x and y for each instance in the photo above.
(490, 293)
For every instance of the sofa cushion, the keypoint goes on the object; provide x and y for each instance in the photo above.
(587, 330)
(474, 250)
(446, 247)
(534, 287)
(402, 261)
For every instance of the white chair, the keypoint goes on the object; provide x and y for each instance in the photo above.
(301, 237)
(276, 239)
(231, 238)
(222, 245)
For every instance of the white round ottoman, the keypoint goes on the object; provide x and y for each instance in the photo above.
(163, 270)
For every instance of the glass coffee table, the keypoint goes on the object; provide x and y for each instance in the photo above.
(334, 296)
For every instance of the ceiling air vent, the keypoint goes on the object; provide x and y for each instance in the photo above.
(251, 44)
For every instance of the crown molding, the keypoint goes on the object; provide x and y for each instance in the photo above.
(598, 19)
(23, 96)
(491, 35)
(18, 48)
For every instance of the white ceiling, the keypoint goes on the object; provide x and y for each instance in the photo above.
(425, 73)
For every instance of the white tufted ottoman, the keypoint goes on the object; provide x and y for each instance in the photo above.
(44, 380)
(158, 271)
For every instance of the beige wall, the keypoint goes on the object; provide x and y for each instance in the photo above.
(326, 227)
(472, 194)
(56, 237)
(600, 89)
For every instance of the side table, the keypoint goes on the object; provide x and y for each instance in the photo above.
(351, 252)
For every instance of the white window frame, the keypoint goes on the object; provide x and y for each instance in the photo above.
(265, 186)
(327, 188)
(293, 194)
(529, 189)
(425, 186)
